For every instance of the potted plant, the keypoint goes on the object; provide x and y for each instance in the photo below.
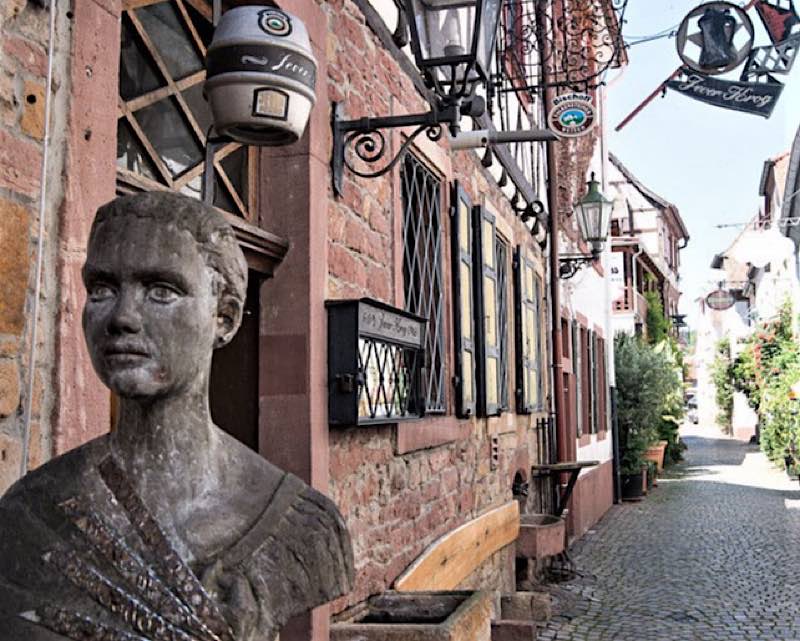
(645, 379)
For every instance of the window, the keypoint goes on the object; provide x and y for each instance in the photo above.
(163, 118)
(463, 322)
(422, 268)
(528, 317)
(501, 260)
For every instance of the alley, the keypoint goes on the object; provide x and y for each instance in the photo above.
(713, 553)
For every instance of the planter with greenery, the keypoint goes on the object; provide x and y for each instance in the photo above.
(647, 383)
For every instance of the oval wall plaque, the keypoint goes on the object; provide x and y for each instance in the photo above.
(720, 300)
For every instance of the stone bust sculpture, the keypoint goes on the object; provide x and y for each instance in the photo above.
(166, 529)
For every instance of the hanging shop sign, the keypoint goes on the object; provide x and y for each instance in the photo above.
(715, 38)
(720, 300)
(757, 98)
(572, 115)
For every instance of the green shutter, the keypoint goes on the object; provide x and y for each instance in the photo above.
(463, 301)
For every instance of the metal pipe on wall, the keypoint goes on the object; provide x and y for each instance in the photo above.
(37, 288)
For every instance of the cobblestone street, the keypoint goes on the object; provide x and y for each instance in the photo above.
(713, 553)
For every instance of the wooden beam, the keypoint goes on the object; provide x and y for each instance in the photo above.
(453, 557)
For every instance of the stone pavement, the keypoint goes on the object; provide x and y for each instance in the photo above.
(713, 553)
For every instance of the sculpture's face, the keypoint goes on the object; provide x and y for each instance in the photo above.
(151, 313)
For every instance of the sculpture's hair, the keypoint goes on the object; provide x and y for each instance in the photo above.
(215, 238)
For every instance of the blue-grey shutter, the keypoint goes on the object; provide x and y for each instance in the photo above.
(528, 342)
(463, 302)
(486, 308)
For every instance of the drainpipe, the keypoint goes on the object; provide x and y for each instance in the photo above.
(37, 288)
(562, 429)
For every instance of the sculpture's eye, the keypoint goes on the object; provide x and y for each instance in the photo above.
(99, 292)
(162, 293)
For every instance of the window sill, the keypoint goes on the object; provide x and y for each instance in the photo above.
(430, 432)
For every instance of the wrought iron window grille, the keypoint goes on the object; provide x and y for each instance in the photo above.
(567, 44)
(422, 269)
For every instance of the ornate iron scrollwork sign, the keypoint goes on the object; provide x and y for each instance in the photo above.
(559, 43)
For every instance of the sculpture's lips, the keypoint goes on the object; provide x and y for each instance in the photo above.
(126, 350)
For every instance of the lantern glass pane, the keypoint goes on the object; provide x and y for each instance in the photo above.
(446, 31)
(490, 14)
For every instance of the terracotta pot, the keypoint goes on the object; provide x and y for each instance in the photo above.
(419, 616)
(655, 453)
(540, 535)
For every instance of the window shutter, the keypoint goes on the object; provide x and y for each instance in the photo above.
(527, 295)
(463, 317)
(577, 363)
(593, 380)
(486, 305)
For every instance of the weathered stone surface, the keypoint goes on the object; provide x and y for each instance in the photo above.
(32, 121)
(9, 387)
(420, 616)
(20, 164)
(513, 631)
(14, 267)
(526, 606)
(10, 453)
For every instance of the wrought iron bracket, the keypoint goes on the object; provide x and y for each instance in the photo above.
(368, 140)
(568, 266)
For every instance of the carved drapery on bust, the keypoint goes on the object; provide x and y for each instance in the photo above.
(167, 529)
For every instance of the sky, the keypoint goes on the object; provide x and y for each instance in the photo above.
(704, 159)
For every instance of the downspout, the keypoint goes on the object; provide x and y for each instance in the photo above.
(562, 429)
(37, 288)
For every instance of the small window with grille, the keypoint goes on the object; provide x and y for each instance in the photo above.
(422, 269)
(163, 117)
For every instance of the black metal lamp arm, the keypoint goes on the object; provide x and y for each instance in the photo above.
(571, 265)
(368, 142)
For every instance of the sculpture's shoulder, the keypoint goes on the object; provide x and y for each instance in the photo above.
(32, 524)
(297, 554)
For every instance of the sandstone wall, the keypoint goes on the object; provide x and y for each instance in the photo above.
(398, 498)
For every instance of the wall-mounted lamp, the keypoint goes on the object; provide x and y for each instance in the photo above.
(453, 42)
(593, 212)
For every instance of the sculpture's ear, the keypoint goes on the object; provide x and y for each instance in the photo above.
(229, 317)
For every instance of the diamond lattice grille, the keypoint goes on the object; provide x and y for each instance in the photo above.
(387, 388)
(422, 268)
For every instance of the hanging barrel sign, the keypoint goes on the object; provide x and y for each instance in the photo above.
(720, 300)
(261, 76)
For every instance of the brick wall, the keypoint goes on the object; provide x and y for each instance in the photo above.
(397, 503)
(23, 69)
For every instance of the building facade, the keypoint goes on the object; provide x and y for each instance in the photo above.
(647, 235)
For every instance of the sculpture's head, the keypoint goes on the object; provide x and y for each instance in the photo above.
(165, 282)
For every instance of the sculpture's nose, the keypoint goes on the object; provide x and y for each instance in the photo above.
(126, 316)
